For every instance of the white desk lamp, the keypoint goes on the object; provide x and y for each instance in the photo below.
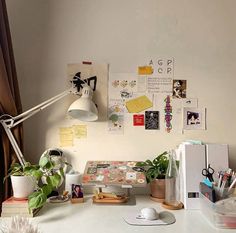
(83, 109)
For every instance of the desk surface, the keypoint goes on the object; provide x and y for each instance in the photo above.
(89, 217)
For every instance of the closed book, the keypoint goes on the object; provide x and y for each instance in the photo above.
(15, 210)
(29, 214)
(15, 203)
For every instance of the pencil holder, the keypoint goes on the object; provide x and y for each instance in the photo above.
(217, 216)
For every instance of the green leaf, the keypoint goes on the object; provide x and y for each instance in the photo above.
(149, 162)
(37, 174)
(37, 200)
(47, 189)
(141, 164)
(43, 161)
(55, 180)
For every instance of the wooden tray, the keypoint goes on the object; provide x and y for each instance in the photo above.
(110, 200)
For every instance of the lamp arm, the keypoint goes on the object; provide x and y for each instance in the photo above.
(27, 114)
(9, 122)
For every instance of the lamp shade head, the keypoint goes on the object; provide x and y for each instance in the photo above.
(84, 108)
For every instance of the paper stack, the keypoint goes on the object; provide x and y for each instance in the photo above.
(12, 207)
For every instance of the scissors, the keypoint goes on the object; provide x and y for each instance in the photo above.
(208, 172)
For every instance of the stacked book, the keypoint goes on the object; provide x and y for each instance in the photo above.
(12, 207)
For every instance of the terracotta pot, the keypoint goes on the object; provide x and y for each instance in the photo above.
(158, 188)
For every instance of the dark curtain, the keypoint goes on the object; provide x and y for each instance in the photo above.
(9, 100)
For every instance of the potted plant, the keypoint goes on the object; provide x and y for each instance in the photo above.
(155, 172)
(23, 179)
(47, 171)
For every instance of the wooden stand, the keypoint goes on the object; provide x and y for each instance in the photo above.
(77, 200)
(110, 200)
(171, 207)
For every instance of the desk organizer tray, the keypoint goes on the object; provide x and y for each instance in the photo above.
(219, 217)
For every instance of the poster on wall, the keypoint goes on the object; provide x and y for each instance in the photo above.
(158, 67)
(99, 70)
(194, 118)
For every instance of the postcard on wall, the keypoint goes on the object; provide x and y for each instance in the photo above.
(138, 120)
(194, 118)
(116, 116)
(122, 85)
(179, 88)
(100, 71)
(152, 120)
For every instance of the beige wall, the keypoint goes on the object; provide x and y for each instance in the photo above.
(199, 34)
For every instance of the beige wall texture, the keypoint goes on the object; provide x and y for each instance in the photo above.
(199, 34)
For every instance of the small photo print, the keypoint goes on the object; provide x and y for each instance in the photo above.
(151, 120)
(194, 118)
(179, 89)
(77, 191)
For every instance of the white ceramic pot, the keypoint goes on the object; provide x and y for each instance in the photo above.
(22, 186)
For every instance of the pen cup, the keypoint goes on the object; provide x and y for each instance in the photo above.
(218, 218)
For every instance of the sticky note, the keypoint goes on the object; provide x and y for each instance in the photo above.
(143, 70)
(80, 131)
(138, 104)
(66, 136)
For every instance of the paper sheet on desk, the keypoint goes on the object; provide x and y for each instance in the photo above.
(165, 218)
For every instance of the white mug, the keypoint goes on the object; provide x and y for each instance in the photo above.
(71, 179)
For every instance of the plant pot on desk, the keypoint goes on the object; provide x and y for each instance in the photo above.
(22, 186)
(157, 187)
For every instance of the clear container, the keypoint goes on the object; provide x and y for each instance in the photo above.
(172, 193)
(217, 217)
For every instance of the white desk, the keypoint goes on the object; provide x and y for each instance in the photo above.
(88, 217)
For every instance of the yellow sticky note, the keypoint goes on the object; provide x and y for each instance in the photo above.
(144, 70)
(66, 136)
(138, 104)
(80, 131)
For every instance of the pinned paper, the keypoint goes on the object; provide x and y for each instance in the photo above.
(179, 88)
(145, 70)
(80, 131)
(168, 114)
(152, 120)
(138, 104)
(194, 118)
(138, 119)
(66, 136)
